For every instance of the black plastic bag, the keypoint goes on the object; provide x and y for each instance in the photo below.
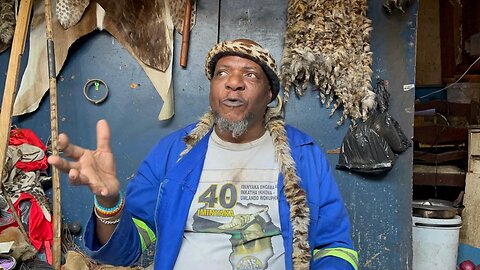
(389, 129)
(372, 146)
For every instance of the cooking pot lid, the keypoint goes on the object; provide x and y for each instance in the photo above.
(433, 204)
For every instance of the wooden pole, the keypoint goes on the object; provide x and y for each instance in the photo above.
(18, 46)
(57, 206)
(186, 33)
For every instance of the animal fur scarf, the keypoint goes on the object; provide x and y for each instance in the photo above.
(76, 260)
(295, 195)
(327, 44)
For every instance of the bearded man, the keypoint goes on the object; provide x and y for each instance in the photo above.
(237, 190)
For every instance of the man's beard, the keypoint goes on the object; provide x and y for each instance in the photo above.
(237, 128)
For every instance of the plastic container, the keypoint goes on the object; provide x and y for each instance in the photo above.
(7, 262)
(435, 243)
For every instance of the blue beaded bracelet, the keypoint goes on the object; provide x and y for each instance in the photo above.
(110, 210)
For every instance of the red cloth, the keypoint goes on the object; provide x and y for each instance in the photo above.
(20, 136)
(39, 229)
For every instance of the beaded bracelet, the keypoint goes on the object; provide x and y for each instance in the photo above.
(109, 220)
(112, 211)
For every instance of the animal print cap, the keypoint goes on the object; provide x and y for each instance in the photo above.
(247, 49)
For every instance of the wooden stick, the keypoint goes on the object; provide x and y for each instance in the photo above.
(15, 214)
(186, 33)
(57, 206)
(18, 46)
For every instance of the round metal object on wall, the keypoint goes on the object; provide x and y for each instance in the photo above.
(95, 90)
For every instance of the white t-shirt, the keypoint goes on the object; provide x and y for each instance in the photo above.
(234, 220)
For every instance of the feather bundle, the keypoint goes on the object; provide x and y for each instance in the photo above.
(327, 45)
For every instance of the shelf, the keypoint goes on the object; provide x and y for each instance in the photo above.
(443, 175)
(438, 158)
(433, 135)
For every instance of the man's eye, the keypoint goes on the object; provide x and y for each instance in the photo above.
(220, 73)
(251, 75)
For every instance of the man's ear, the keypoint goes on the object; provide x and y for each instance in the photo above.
(269, 94)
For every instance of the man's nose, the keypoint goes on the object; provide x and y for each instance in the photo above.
(235, 82)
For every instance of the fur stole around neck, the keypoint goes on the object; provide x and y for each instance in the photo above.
(295, 195)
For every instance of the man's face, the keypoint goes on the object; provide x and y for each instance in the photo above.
(239, 90)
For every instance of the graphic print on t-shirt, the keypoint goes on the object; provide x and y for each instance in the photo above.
(250, 226)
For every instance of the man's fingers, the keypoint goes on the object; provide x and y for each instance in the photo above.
(103, 136)
(73, 176)
(62, 141)
(79, 179)
(96, 186)
(60, 163)
(69, 150)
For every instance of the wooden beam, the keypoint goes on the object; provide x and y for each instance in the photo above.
(470, 231)
(57, 202)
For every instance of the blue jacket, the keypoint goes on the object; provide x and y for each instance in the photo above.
(169, 184)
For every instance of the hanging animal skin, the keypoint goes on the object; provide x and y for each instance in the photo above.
(177, 11)
(69, 12)
(327, 45)
(7, 23)
(120, 19)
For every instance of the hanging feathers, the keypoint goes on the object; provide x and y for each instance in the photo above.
(327, 45)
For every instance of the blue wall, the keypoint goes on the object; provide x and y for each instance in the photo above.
(379, 207)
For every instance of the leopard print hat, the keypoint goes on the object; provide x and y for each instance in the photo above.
(247, 49)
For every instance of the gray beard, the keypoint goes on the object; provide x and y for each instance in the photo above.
(237, 128)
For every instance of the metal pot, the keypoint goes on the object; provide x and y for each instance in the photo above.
(434, 208)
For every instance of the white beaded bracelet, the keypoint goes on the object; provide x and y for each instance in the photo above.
(107, 221)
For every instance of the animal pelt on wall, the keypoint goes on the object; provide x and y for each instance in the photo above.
(177, 11)
(327, 45)
(34, 83)
(7, 23)
(69, 12)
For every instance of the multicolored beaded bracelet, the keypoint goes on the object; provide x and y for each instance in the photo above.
(112, 211)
